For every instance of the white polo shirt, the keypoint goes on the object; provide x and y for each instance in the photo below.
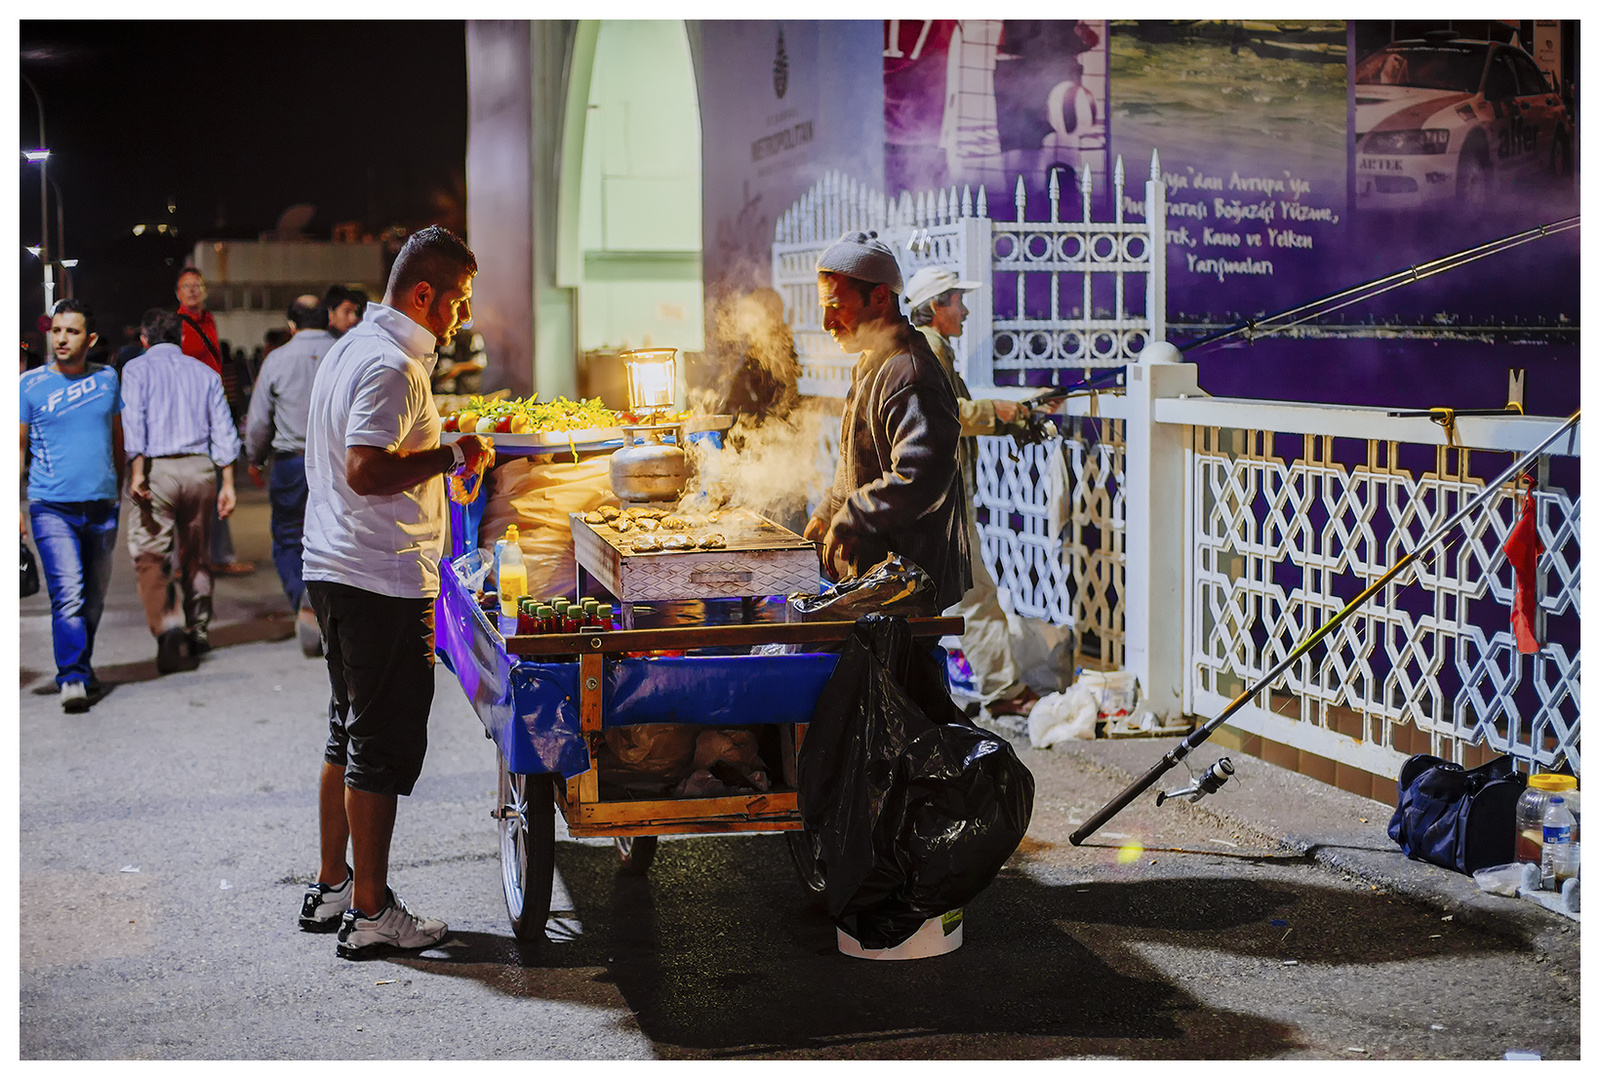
(373, 389)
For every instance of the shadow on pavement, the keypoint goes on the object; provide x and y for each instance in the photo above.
(719, 953)
(272, 627)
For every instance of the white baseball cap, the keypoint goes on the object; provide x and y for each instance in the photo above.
(933, 281)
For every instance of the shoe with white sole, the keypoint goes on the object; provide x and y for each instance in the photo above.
(74, 697)
(324, 906)
(392, 928)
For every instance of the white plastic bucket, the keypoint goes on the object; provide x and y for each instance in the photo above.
(935, 938)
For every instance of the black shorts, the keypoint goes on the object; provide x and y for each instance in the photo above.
(380, 665)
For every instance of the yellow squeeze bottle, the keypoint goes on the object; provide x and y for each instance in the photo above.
(511, 575)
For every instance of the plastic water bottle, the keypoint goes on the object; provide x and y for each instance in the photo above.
(512, 575)
(1555, 863)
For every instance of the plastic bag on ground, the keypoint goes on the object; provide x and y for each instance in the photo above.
(913, 810)
(1041, 651)
(1115, 692)
(1061, 717)
(896, 586)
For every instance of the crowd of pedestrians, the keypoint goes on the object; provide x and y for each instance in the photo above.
(342, 429)
(159, 422)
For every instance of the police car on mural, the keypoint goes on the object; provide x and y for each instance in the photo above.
(1443, 122)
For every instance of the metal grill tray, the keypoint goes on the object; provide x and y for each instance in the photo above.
(767, 560)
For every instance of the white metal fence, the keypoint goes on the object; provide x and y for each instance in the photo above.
(1194, 540)
(1294, 509)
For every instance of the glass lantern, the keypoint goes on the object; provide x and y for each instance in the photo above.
(652, 377)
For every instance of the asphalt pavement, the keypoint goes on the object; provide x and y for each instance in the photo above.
(166, 835)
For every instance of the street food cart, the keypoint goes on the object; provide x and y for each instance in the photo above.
(547, 699)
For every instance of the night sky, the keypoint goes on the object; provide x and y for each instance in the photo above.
(232, 122)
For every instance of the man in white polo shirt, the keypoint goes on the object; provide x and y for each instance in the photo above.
(374, 534)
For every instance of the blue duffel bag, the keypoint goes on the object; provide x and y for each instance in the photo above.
(1460, 819)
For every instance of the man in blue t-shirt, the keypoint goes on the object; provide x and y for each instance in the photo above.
(72, 444)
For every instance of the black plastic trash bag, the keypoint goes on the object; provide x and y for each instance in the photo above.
(913, 809)
(896, 586)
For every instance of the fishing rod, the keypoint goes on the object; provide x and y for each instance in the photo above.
(1105, 379)
(1205, 731)
(1270, 324)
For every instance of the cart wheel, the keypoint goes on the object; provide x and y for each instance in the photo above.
(636, 853)
(527, 849)
(803, 850)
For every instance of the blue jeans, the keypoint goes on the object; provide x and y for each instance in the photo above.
(75, 540)
(286, 490)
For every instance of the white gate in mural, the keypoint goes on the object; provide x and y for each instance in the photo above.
(929, 229)
(1062, 294)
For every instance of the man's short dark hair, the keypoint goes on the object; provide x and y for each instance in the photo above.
(186, 271)
(338, 294)
(434, 255)
(78, 307)
(861, 288)
(160, 325)
(307, 316)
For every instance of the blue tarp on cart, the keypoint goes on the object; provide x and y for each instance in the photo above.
(530, 709)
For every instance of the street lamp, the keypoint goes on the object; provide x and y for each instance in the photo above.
(42, 156)
(61, 241)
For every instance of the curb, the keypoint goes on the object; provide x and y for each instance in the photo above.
(1343, 832)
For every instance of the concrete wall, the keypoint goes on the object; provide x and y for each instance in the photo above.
(263, 262)
(500, 197)
(639, 215)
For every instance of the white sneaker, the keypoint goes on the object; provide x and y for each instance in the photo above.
(74, 697)
(392, 928)
(324, 905)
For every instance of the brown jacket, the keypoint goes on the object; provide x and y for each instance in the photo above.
(898, 487)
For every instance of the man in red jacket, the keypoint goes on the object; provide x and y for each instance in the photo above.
(200, 342)
(199, 328)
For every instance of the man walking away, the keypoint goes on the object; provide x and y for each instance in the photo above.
(346, 307)
(72, 445)
(179, 439)
(374, 535)
(275, 442)
(199, 340)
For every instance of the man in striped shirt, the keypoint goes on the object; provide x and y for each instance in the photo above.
(179, 437)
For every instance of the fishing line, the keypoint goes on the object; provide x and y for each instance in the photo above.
(1302, 313)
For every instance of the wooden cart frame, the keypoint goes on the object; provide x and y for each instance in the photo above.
(528, 801)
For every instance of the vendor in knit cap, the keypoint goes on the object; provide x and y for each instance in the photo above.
(898, 487)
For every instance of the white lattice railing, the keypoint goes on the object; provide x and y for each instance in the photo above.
(1296, 512)
(1071, 576)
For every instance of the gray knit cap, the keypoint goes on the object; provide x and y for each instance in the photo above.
(862, 255)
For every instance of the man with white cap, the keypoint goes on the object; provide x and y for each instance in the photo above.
(897, 487)
(934, 298)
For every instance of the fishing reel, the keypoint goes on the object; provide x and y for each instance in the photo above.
(1207, 783)
(1038, 430)
(1037, 427)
